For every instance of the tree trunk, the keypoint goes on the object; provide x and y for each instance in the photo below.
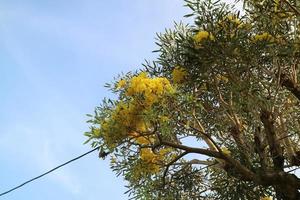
(285, 185)
(287, 192)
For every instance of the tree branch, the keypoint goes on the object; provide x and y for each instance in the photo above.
(188, 149)
(275, 149)
(171, 163)
(290, 85)
(241, 169)
(260, 148)
(195, 162)
(297, 12)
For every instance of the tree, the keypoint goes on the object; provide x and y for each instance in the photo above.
(217, 115)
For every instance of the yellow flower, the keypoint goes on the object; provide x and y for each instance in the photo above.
(276, 5)
(133, 134)
(164, 152)
(152, 89)
(246, 26)
(147, 155)
(126, 118)
(263, 37)
(179, 74)
(164, 119)
(211, 37)
(97, 132)
(142, 140)
(222, 78)
(226, 151)
(141, 126)
(113, 160)
(234, 19)
(203, 35)
(266, 198)
(121, 83)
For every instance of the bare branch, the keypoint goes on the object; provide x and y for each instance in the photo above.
(206, 152)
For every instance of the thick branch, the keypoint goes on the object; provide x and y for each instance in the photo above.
(275, 149)
(234, 164)
(291, 154)
(206, 152)
(260, 149)
(208, 139)
(236, 134)
(290, 85)
(286, 185)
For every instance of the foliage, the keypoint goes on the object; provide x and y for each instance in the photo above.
(216, 116)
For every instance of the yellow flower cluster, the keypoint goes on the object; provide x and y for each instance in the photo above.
(142, 140)
(203, 35)
(152, 89)
(266, 198)
(126, 121)
(126, 114)
(263, 37)
(148, 156)
(126, 118)
(150, 162)
(121, 83)
(221, 78)
(276, 4)
(178, 74)
(152, 159)
(233, 19)
(226, 151)
(236, 22)
(164, 119)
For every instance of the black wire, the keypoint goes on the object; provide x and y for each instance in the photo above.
(55, 168)
(293, 169)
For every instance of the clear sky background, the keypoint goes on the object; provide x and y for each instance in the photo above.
(55, 57)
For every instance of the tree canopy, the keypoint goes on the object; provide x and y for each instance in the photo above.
(217, 115)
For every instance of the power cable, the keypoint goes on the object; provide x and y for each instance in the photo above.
(48, 172)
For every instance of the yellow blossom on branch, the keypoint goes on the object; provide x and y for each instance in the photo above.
(152, 89)
(142, 140)
(121, 83)
(266, 198)
(126, 118)
(164, 119)
(226, 151)
(221, 78)
(150, 162)
(178, 74)
(147, 155)
(233, 19)
(203, 35)
(263, 37)
(276, 4)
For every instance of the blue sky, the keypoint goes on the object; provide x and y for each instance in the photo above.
(55, 57)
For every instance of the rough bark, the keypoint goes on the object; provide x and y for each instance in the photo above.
(275, 148)
(286, 186)
(290, 85)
